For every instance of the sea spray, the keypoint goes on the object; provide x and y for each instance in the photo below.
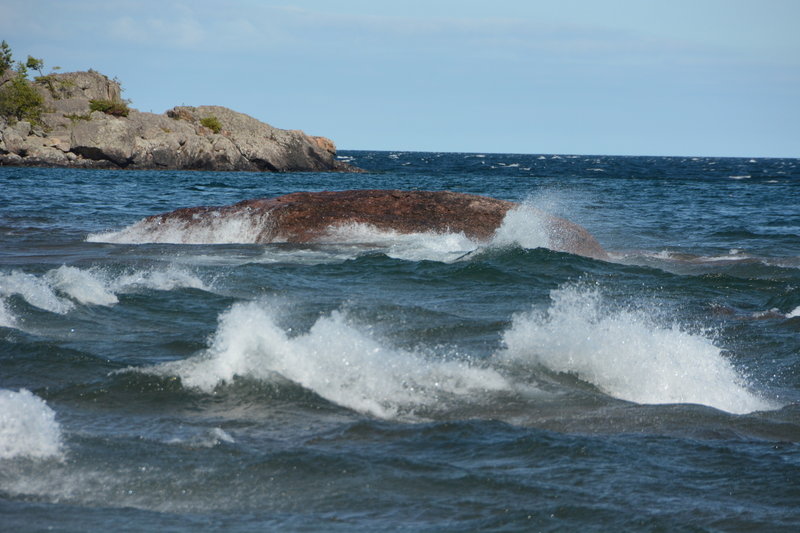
(58, 289)
(7, 318)
(28, 427)
(335, 359)
(524, 226)
(85, 286)
(214, 227)
(35, 290)
(626, 354)
(421, 246)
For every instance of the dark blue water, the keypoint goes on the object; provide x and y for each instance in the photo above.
(423, 382)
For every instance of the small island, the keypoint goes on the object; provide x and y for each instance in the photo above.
(79, 119)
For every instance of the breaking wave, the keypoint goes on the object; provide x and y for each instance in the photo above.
(28, 427)
(58, 290)
(213, 227)
(335, 359)
(624, 353)
(524, 226)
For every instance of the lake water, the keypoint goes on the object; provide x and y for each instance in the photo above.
(418, 382)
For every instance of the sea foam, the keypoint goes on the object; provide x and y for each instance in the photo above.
(524, 226)
(626, 354)
(212, 227)
(58, 290)
(336, 359)
(38, 291)
(28, 427)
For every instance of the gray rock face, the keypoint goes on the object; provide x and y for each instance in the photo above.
(73, 135)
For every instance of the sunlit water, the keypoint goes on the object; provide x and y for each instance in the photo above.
(184, 378)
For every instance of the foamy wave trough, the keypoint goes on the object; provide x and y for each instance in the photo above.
(28, 427)
(58, 290)
(623, 353)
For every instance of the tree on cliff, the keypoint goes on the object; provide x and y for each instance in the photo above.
(19, 100)
(35, 64)
(5, 58)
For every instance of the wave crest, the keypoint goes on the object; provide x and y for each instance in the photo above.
(625, 354)
(28, 427)
(335, 359)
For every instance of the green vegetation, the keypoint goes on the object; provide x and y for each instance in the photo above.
(212, 123)
(19, 100)
(35, 64)
(5, 58)
(117, 108)
(74, 117)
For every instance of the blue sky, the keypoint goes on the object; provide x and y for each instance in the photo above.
(626, 77)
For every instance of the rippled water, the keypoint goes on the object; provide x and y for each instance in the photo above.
(425, 382)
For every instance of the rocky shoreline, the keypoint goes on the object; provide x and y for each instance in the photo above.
(71, 134)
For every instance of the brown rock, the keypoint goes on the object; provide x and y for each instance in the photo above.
(309, 216)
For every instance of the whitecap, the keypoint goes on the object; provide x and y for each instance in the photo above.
(523, 226)
(28, 427)
(162, 279)
(35, 290)
(336, 359)
(7, 318)
(421, 246)
(58, 289)
(212, 227)
(627, 354)
(85, 286)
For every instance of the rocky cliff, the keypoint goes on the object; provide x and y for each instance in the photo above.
(192, 138)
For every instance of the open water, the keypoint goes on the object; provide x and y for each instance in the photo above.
(389, 382)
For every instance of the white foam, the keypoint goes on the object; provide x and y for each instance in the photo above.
(335, 359)
(211, 227)
(7, 318)
(28, 427)
(204, 439)
(626, 354)
(523, 226)
(430, 246)
(36, 290)
(526, 226)
(794, 313)
(85, 286)
(58, 289)
(163, 279)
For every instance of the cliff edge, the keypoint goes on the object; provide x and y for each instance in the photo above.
(86, 124)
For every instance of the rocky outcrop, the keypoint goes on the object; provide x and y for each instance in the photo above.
(191, 138)
(309, 216)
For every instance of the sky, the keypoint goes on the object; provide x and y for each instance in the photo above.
(613, 77)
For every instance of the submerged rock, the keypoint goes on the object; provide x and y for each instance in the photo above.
(183, 138)
(310, 216)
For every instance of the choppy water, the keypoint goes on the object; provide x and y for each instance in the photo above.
(422, 382)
